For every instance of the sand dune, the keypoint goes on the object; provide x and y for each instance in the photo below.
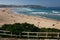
(7, 17)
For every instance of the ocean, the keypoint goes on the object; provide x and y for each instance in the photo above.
(49, 12)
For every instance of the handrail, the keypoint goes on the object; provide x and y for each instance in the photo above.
(33, 34)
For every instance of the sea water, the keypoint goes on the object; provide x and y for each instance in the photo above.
(49, 12)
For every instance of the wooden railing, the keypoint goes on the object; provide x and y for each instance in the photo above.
(39, 35)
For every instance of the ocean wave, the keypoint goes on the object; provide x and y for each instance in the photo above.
(55, 12)
(44, 13)
(39, 13)
(34, 12)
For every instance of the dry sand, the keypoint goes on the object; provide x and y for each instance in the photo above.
(7, 17)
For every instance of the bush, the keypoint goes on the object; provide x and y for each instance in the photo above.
(25, 27)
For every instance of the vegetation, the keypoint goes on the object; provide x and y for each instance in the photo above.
(18, 28)
(25, 27)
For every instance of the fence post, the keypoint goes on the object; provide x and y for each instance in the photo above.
(58, 36)
(11, 34)
(28, 35)
(46, 34)
(38, 35)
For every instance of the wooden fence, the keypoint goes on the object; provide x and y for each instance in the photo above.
(29, 35)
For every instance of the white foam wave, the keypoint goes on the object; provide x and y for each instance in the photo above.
(55, 12)
(39, 13)
(44, 13)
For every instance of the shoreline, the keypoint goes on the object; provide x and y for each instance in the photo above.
(7, 17)
(37, 16)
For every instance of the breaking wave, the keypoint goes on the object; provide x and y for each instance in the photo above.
(45, 13)
(49, 13)
(34, 12)
(55, 12)
(39, 13)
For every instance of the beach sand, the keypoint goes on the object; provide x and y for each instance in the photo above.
(7, 17)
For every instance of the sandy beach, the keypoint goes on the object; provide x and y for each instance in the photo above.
(7, 17)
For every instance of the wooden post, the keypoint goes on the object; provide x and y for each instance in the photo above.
(38, 35)
(11, 34)
(58, 36)
(28, 35)
(19, 35)
(46, 34)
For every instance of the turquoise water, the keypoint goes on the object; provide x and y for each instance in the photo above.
(51, 12)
